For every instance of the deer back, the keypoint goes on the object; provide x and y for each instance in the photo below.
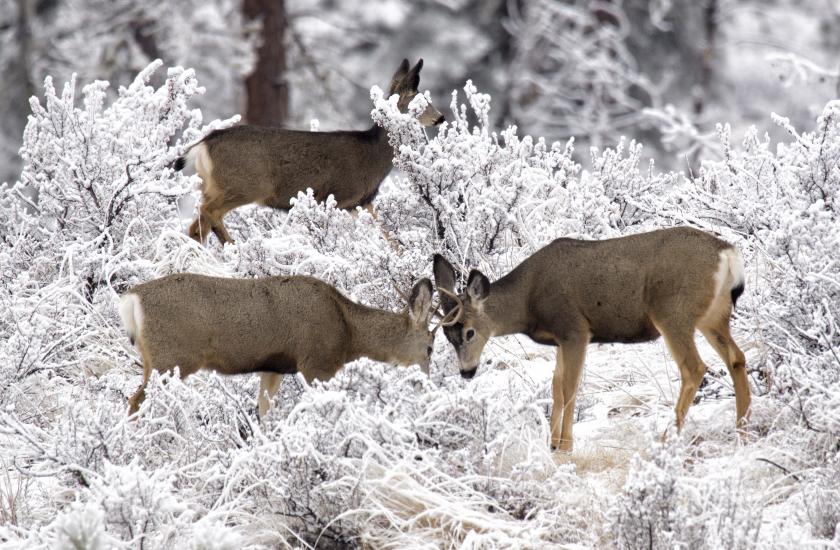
(616, 284)
(612, 289)
(270, 165)
(235, 325)
(279, 325)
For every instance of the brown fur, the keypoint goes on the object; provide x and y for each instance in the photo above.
(268, 166)
(274, 325)
(630, 289)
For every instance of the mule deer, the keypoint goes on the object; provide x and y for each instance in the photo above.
(273, 325)
(268, 166)
(629, 289)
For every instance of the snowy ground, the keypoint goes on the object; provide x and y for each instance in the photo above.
(489, 479)
(385, 457)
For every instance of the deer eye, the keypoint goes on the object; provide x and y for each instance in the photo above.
(469, 334)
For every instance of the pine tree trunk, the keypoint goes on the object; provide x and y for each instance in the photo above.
(26, 12)
(709, 56)
(266, 87)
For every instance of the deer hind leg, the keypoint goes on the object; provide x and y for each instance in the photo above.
(716, 331)
(185, 368)
(567, 372)
(201, 227)
(269, 384)
(218, 207)
(215, 204)
(680, 342)
(139, 396)
(218, 226)
(209, 220)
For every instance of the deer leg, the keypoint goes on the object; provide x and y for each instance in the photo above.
(557, 400)
(369, 207)
(721, 340)
(680, 343)
(218, 226)
(139, 396)
(269, 384)
(570, 358)
(385, 234)
(185, 369)
(201, 227)
(214, 208)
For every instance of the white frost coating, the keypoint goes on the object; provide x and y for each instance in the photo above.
(131, 313)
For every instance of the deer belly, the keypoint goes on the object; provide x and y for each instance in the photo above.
(624, 331)
(277, 363)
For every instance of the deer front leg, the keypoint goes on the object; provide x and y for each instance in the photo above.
(557, 400)
(269, 384)
(567, 372)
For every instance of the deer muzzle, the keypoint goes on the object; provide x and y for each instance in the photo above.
(468, 373)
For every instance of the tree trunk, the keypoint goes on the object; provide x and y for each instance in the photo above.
(709, 56)
(26, 13)
(267, 89)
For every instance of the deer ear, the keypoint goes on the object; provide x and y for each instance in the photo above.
(398, 77)
(444, 273)
(412, 79)
(444, 278)
(478, 286)
(420, 301)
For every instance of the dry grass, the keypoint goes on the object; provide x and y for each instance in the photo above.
(12, 495)
(607, 466)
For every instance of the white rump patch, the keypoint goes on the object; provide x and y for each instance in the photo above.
(730, 271)
(200, 157)
(131, 313)
(736, 266)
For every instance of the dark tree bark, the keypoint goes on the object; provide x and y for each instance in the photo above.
(26, 12)
(709, 55)
(267, 89)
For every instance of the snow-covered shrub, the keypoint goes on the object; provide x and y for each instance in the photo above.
(488, 199)
(574, 75)
(646, 514)
(104, 193)
(100, 173)
(660, 507)
(786, 203)
(346, 249)
(82, 526)
(782, 208)
(822, 507)
(379, 456)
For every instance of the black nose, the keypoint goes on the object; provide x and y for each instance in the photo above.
(439, 120)
(468, 374)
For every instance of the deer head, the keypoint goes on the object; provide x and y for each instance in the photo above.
(469, 327)
(405, 83)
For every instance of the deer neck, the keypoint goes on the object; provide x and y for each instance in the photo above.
(376, 334)
(507, 305)
(379, 138)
